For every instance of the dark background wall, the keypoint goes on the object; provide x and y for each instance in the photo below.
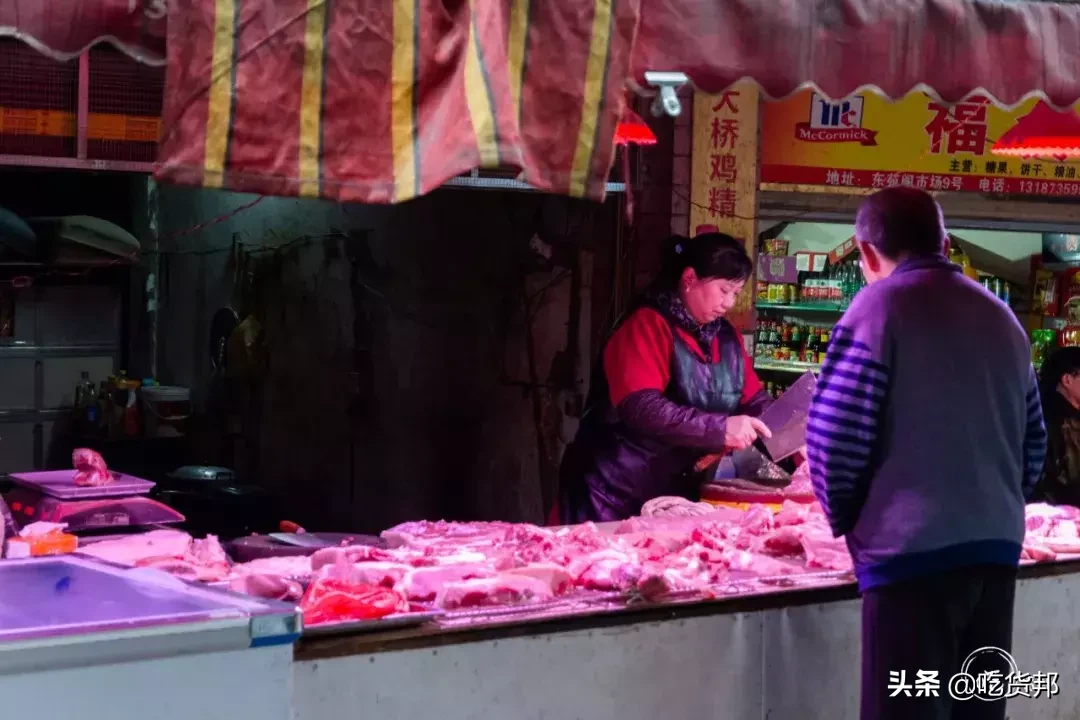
(423, 360)
(418, 361)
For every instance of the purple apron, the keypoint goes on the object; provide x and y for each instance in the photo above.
(609, 470)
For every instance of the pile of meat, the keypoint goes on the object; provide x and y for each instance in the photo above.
(173, 551)
(455, 566)
(467, 565)
(1051, 531)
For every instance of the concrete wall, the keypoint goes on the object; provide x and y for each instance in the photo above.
(400, 378)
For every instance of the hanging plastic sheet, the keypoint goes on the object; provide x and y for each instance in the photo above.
(62, 29)
(1008, 49)
(380, 102)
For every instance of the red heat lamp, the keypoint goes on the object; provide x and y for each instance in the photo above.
(1043, 132)
(631, 130)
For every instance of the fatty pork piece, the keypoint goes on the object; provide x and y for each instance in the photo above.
(825, 552)
(1037, 552)
(205, 561)
(503, 589)
(290, 567)
(349, 554)
(759, 565)
(422, 584)
(757, 520)
(384, 574)
(557, 579)
(793, 513)
(269, 587)
(131, 549)
(654, 545)
(783, 542)
(1060, 545)
(658, 582)
(605, 570)
(90, 468)
(422, 533)
(720, 516)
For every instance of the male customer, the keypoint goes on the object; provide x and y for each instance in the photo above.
(924, 438)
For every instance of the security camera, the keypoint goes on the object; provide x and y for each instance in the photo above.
(667, 85)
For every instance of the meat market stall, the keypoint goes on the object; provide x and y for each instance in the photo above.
(791, 654)
(763, 635)
(744, 609)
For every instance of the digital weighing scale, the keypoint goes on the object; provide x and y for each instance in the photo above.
(53, 496)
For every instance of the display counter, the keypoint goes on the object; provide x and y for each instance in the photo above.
(786, 653)
(82, 638)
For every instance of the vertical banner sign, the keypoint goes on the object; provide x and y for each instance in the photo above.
(724, 174)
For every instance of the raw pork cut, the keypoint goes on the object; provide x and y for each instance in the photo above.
(657, 583)
(270, 587)
(423, 584)
(90, 468)
(556, 578)
(205, 558)
(292, 567)
(654, 545)
(783, 542)
(605, 570)
(379, 573)
(1061, 545)
(792, 513)
(672, 506)
(826, 552)
(424, 533)
(758, 520)
(130, 549)
(504, 589)
(333, 600)
(1037, 553)
(348, 553)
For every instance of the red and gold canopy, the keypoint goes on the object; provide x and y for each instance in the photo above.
(383, 100)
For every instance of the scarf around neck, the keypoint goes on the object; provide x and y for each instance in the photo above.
(672, 307)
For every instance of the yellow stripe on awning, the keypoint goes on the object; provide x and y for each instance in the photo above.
(311, 98)
(402, 73)
(478, 98)
(595, 68)
(515, 51)
(219, 110)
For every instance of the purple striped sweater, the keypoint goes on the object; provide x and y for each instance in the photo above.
(926, 433)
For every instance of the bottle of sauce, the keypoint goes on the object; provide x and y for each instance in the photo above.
(812, 342)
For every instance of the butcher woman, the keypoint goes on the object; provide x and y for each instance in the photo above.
(674, 383)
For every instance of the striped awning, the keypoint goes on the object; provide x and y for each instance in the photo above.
(382, 101)
(1008, 49)
(62, 29)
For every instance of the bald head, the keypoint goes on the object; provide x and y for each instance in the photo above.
(901, 221)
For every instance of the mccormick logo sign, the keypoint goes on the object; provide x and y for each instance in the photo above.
(835, 122)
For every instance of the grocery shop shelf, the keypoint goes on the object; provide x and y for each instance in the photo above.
(802, 307)
(785, 365)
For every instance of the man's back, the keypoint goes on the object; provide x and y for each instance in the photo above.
(930, 382)
(925, 435)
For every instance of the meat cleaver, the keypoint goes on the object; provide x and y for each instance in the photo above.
(786, 418)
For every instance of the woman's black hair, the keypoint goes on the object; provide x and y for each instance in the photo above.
(711, 255)
(1063, 361)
